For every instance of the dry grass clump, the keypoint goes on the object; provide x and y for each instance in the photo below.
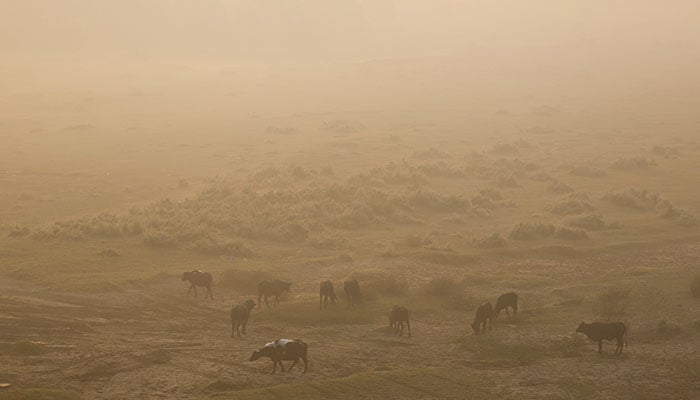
(586, 171)
(695, 287)
(508, 182)
(571, 205)
(612, 304)
(592, 222)
(431, 154)
(538, 230)
(18, 231)
(532, 231)
(375, 282)
(665, 151)
(633, 163)
(505, 149)
(643, 200)
(559, 187)
(217, 246)
(493, 241)
(280, 130)
(342, 126)
(444, 286)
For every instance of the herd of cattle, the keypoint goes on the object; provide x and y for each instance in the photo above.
(295, 350)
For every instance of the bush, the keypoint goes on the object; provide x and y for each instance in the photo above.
(559, 187)
(667, 329)
(491, 242)
(158, 239)
(18, 231)
(571, 206)
(532, 231)
(632, 163)
(587, 171)
(592, 222)
(570, 234)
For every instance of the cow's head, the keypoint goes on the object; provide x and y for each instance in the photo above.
(475, 326)
(186, 276)
(258, 354)
(581, 328)
(249, 304)
(287, 285)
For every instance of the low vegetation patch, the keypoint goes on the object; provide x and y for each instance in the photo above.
(695, 287)
(592, 222)
(375, 282)
(633, 163)
(493, 241)
(644, 200)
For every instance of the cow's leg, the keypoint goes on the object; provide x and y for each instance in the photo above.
(507, 313)
(274, 366)
(245, 324)
(320, 303)
(195, 290)
(211, 295)
(281, 366)
(265, 298)
(408, 323)
(306, 363)
(515, 309)
(293, 364)
(233, 328)
(600, 346)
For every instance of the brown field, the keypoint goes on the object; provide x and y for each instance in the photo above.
(439, 181)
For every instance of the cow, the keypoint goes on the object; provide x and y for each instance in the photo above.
(272, 288)
(352, 291)
(283, 350)
(326, 292)
(599, 331)
(397, 317)
(198, 278)
(240, 313)
(483, 315)
(504, 301)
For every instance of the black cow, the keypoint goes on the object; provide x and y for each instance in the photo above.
(198, 278)
(326, 292)
(352, 291)
(504, 301)
(283, 350)
(272, 289)
(599, 331)
(483, 315)
(397, 317)
(240, 313)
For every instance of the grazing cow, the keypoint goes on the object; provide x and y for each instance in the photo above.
(198, 278)
(352, 291)
(272, 289)
(240, 313)
(283, 350)
(397, 317)
(326, 292)
(504, 301)
(483, 315)
(597, 331)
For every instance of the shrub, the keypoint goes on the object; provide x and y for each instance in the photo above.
(570, 206)
(593, 222)
(18, 231)
(158, 239)
(491, 242)
(217, 246)
(559, 187)
(632, 163)
(431, 153)
(665, 151)
(587, 171)
(342, 126)
(532, 231)
(570, 233)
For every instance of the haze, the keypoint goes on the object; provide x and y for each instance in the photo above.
(440, 152)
